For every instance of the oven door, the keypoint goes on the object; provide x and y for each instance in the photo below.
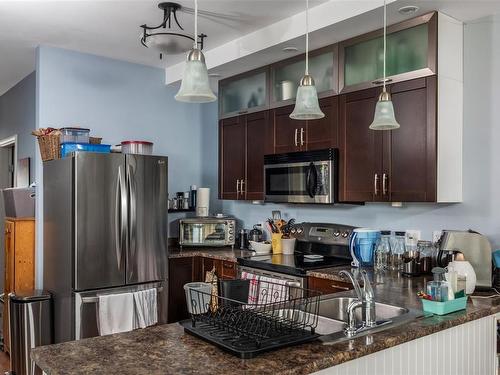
(214, 233)
(303, 182)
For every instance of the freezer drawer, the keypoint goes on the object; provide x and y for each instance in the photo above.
(87, 305)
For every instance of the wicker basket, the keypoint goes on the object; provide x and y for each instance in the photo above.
(50, 147)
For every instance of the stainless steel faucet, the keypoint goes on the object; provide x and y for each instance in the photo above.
(365, 300)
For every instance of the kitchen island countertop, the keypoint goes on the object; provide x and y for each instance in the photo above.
(166, 349)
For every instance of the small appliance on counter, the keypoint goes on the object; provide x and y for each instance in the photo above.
(362, 245)
(302, 177)
(207, 231)
(475, 248)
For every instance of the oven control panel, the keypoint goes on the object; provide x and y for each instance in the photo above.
(328, 234)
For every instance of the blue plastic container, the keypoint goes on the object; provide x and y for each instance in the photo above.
(69, 147)
(363, 243)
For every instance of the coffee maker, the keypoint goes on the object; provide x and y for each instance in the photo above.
(474, 246)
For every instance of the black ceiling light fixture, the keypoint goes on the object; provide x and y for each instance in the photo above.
(168, 40)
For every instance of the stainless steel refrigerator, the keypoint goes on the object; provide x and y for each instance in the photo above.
(105, 231)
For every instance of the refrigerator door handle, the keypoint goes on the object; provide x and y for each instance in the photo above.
(95, 299)
(118, 219)
(124, 210)
(133, 216)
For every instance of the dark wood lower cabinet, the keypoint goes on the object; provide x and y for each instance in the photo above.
(181, 271)
(188, 269)
(326, 286)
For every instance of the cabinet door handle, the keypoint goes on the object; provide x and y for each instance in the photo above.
(237, 187)
(242, 191)
(375, 184)
(296, 134)
(384, 183)
(340, 287)
(302, 136)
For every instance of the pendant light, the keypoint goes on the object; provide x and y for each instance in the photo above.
(384, 118)
(306, 102)
(195, 87)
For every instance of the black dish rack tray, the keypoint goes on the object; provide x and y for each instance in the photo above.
(250, 317)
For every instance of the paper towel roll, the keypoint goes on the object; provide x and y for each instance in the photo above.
(202, 202)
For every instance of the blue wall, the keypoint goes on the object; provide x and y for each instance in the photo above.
(17, 116)
(118, 101)
(480, 209)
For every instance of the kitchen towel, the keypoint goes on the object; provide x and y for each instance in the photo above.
(253, 290)
(146, 308)
(272, 290)
(202, 202)
(116, 313)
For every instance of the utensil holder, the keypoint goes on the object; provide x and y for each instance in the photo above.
(276, 243)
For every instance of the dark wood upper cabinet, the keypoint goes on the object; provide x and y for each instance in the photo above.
(259, 142)
(412, 171)
(323, 133)
(244, 140)
(398, 165)
(232, 137)
(360, 148)
(289, 134)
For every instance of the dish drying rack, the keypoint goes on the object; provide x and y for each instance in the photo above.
(250, 317)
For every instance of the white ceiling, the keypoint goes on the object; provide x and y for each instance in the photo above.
(111, 28)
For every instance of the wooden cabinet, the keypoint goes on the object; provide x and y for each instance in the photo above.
(296, 135)
(181, 271)
(19, 263)
(411, 53)
(232, 157)
(394, 166)
(189, 269)
(244, 93)
(244, 140)
(326, 286)
(360, 155)
(289, 134)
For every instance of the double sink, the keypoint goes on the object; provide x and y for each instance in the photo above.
(333, 317)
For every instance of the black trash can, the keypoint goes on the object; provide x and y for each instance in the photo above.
(30, 326)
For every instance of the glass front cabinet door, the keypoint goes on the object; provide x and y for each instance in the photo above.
(286, 75)
(244, 93)
(411, 53)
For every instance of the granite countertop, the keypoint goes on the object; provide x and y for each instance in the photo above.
(166, 349)
(220, 253)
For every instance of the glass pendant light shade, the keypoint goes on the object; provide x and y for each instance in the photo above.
(306, 102)
(384, 118)
(195, 86)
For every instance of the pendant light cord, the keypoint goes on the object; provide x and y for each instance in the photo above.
(307, 37)
(385, 40)
(196, 24)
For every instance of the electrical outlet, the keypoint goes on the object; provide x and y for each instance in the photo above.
(436, 235)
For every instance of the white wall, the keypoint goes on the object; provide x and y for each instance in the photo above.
(480, 209)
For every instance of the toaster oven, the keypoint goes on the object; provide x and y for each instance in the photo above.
(207, 231)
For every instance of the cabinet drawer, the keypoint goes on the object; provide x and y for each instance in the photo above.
(326, 286)
(228, 270)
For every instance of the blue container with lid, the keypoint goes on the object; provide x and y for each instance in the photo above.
(69, 147)
(363, 243)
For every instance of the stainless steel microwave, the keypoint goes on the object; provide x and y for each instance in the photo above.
(207, 231)
(302, 177)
